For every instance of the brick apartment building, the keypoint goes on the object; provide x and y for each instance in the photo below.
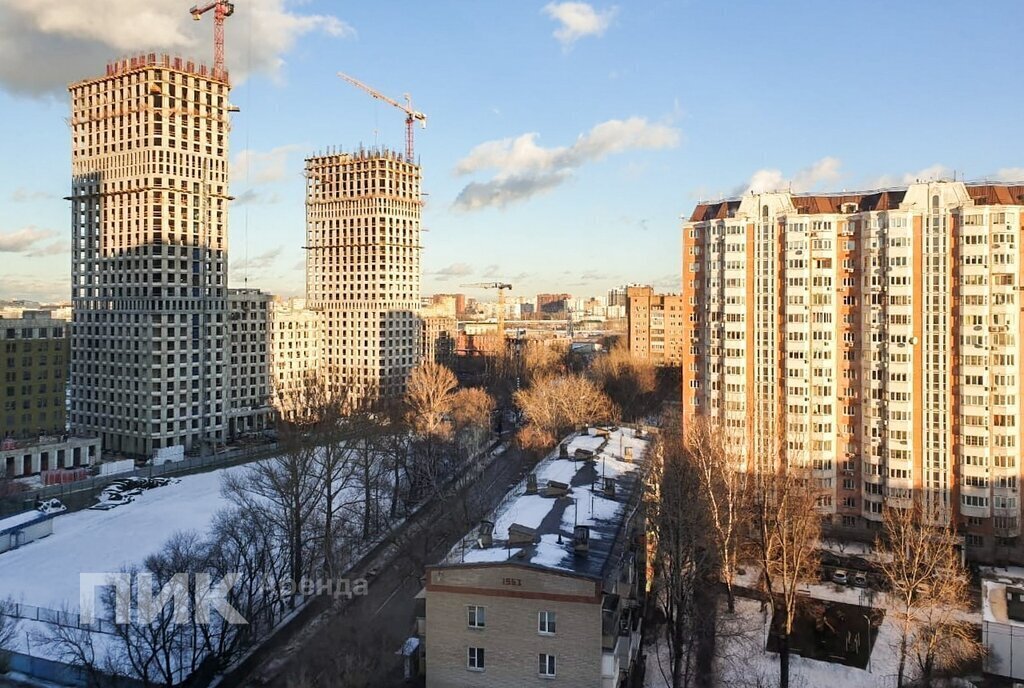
(654, 325)
(550, 587)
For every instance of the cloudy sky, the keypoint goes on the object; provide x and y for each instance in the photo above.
(564, 140)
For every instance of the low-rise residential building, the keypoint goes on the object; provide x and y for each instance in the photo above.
(550, 586)
(1002, 626)
(33, 374)
(655, 325)
(249, 407)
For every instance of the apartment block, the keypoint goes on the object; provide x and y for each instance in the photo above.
(249, 408)
(879, 335)
(553, 304)
(34, 370)
(149, 203)
(440, 331)
(548, 587)
(363, 268)
(296, 340)
(654, 325)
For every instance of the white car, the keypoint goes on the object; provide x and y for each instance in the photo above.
(51, 507)
(115, 498)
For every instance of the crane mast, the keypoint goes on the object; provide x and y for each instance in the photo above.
(501, 287)
(221, 10)
(411, 115)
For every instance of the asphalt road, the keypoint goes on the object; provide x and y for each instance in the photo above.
(360, 637)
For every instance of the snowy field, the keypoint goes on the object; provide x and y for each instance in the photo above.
(45, 573)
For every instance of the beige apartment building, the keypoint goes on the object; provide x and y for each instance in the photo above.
(149, 204)
(295, 345)
(439, 333)
(655, 325)
(363, 268)
(549, 588)
(879, 335)
(249, 408)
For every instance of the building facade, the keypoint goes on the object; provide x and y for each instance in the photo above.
(879, 335)
(555, 596)
(296, 340)
(149, 205)
(654, 325)
(249, 407)
(553, 304)
(363, 268)
(34, 375)
(440, 332)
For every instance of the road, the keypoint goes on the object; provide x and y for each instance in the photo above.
(359, 637)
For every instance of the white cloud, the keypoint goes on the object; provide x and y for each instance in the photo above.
(578, 19)
(45, 44)
(824, 171)
(930, 173)
(453, 270)
(491, 270)
(522, 168)
(25, 239)
(259, 262)
(1010, 174)
(23, 195)
(261, 167)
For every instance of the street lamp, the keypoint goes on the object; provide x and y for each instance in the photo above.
(868, 620)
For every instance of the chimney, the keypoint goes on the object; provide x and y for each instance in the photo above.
(563, 451)
(485, 535)
(520, 535)
(531, 484)
(581, 540)
(609, 487)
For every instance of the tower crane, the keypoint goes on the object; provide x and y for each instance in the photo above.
(411, 116)
(221, 10)
(501, 287)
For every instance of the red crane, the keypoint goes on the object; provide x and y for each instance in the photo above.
(221, 10)
(411, 116)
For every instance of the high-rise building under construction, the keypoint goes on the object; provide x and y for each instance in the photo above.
(363, 268)
(149, 204)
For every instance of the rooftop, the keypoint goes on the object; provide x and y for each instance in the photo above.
(982, 193)
(570, 492)
(994, 585)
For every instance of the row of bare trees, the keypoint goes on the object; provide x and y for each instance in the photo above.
(710, 514)
(344, 475)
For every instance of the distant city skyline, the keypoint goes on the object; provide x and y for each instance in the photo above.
(562, 156)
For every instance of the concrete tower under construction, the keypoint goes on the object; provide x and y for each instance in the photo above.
(363, 268)
(149, 203)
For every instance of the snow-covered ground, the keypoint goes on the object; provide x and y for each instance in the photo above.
(742, 661)
(45, 573)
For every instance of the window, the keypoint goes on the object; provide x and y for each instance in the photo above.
(475, 659)
(547, 665)
(476, 616)
(546, 623)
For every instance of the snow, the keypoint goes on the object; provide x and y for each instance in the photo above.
(528, 510)
(19, 519)
(488, 556)
(45, 573)
(587, 442)
(550, 553)
(741, 660)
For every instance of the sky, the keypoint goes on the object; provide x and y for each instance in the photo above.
(565, 140)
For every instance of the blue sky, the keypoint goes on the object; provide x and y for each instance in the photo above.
(564, 139)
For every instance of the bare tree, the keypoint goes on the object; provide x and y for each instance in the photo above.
(920, 560)
(556, 405)
(429, 398)
(628, 380)
(8, 630)
(720, 470)
(540, 359)
(471, 418)
(785, 531)
(685, 561)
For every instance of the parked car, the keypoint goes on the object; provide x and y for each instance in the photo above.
(123, 491)
(860, 579)
(840, 577)
(116, 498)
(51, 506)
(104, 506)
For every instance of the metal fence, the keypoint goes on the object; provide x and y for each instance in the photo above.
(56, 617)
